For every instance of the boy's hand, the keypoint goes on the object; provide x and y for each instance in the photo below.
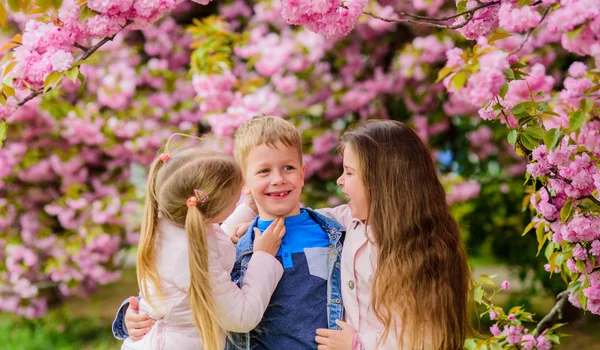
(239, 231)
(329, 339)
(137, 325)
(270, 240)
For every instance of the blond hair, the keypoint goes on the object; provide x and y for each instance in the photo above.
(170, 185)
(422, 279)
(264, 130)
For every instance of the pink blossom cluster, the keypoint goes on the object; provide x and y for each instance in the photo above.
(463, 191)
(332, 18)
(485, 84)
(484, 21)
(518, 19)
(72, 177)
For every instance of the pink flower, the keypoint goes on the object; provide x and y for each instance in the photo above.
(495, 330)
(528, 342)
(61, 61)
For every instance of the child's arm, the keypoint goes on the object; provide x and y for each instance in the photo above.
(240, 310)
(341, 214)
(242, 214)
(129, 322)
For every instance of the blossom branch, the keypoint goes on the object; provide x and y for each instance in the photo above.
(79, 46)
(557, 310)
(85, 56)
(424, 20)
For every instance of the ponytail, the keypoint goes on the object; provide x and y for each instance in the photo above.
(201, 297)
(146, 256)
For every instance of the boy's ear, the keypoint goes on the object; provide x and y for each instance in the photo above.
(303, 172)
(245, 189)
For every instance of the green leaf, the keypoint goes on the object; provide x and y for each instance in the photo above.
(470, 344)
(461, 7)
(503, 90)
(535, 131)
(553, 338)
(2, 133)
(52, 80)
(73, 73)
(486, 280)
(576, 120)
(524, 3)
(539, 233)
(542, 106)
(495, 346)
(86, 13)
(14, 5)
(512, 137)
(582, 299)
(541, 244)
(444, 72)
(552, 261)
(575, 32)
(520, 109)
(510, 74)
(498, 36)
(551, 138)
(529, 142)
(459, 80)
(566, 210)
(580, 266)
(478, 295)
(556, 326)
(586, 105)
(528, 228)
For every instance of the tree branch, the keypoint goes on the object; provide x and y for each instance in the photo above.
(79, 46)
(424, 20)
(86, 55)
(557, 310)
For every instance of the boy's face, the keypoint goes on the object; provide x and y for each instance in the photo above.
(275, 177)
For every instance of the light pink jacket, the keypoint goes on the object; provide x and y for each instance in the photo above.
(359, 261)
(238, 310)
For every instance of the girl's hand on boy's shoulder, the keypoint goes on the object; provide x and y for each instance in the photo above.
(329, 339)
(137, 325)
(270, 240)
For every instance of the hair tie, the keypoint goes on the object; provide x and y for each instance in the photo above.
(192, 202)
(201, 195)
(164, 157)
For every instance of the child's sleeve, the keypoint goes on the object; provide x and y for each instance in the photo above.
(341, 214)
(240, 215)
(240, 310)
(118, 326)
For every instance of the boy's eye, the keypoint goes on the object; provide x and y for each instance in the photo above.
(288, 168)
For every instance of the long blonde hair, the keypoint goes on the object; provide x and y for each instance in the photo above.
(170, 184)
(422, 281)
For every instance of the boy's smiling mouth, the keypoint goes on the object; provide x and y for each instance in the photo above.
(278, 194)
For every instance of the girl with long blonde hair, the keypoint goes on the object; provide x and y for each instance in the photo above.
(405, 278)
(185, 259)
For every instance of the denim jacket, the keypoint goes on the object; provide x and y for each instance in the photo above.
(335, 306)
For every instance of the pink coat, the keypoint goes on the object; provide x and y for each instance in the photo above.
(359, 261)
(238, 310)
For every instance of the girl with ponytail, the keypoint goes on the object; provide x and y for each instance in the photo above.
(185, 259)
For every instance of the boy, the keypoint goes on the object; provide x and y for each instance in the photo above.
(308, 296)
